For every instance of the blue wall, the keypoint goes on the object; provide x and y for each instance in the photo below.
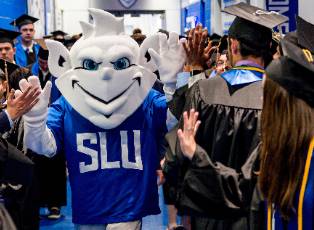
(289, 9)
(9, 10)
(201, 13)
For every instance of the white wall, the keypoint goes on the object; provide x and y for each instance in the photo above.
(171, 7)
(69, 13)
(36, 8)
(306, 10)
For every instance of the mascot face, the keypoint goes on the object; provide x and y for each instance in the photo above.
(100, 77)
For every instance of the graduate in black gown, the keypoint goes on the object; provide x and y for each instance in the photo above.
(287, 162)
(214, 160)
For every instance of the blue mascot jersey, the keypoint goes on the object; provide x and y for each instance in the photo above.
(112, 172)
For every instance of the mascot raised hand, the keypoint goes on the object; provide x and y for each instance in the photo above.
(109, 121)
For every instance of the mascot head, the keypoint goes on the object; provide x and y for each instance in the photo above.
(100, 76)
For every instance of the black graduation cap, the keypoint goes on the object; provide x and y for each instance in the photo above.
(253, 25)
(8, 35)
(23, 20)
(69, 42)
(11, 67)
(58, 32)
(305, 33)
(215, 39)
(214, 36)
(295, 70)
(269, 19)
(295, 51)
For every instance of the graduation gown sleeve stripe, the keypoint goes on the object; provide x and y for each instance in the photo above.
(304, 186)
(305, 200)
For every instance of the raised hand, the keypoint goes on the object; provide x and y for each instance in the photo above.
(187, 135)
(38, 112)
(171, 59)
(22, 103)
(198, 53)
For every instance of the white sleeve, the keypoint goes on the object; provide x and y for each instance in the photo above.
(40, 140)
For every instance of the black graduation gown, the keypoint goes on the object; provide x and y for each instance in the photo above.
(4, 122)
(16, 171)
(217, 185)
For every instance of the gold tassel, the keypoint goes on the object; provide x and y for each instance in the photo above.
(308, 55)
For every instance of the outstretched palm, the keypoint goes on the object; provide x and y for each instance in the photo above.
(187, 135)
(171, 59)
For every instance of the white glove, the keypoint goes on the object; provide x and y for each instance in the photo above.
(37, 136)
(38, 114)
(171, 59)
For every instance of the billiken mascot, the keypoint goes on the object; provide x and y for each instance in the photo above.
(108, 121)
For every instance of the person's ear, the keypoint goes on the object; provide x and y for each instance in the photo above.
(14, 50)
(5, 83)
(234, 46)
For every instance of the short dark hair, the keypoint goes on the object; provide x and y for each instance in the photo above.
(248, 50)
(7, 41)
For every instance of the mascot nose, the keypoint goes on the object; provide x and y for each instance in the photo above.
(106, 73)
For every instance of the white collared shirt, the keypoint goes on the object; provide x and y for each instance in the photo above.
(30, 48)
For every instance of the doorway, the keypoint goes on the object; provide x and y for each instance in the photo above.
(148, 21)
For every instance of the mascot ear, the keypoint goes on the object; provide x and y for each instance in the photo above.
(59, 58)
(145, 58)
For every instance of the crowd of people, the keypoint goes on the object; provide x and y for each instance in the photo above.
(225, 123)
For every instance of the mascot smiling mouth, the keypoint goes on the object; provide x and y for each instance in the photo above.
(76, 82)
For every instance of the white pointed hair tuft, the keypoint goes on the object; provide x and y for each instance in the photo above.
(104, 24)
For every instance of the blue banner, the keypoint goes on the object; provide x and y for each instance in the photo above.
(9, 10)
(288, 8)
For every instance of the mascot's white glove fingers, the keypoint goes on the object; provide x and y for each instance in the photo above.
(155, 56)
(34, 81)
(37, 115)
(163, 44)
(17, 93)
(173, 40)
(24, 85)
(46, 91)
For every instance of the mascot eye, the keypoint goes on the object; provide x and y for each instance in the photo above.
(121, 63)
(89, 64)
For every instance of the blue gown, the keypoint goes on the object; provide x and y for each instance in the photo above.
(303, 217)
(20, 54)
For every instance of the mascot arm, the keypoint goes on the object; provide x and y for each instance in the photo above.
(37, 136)
(40, 140)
